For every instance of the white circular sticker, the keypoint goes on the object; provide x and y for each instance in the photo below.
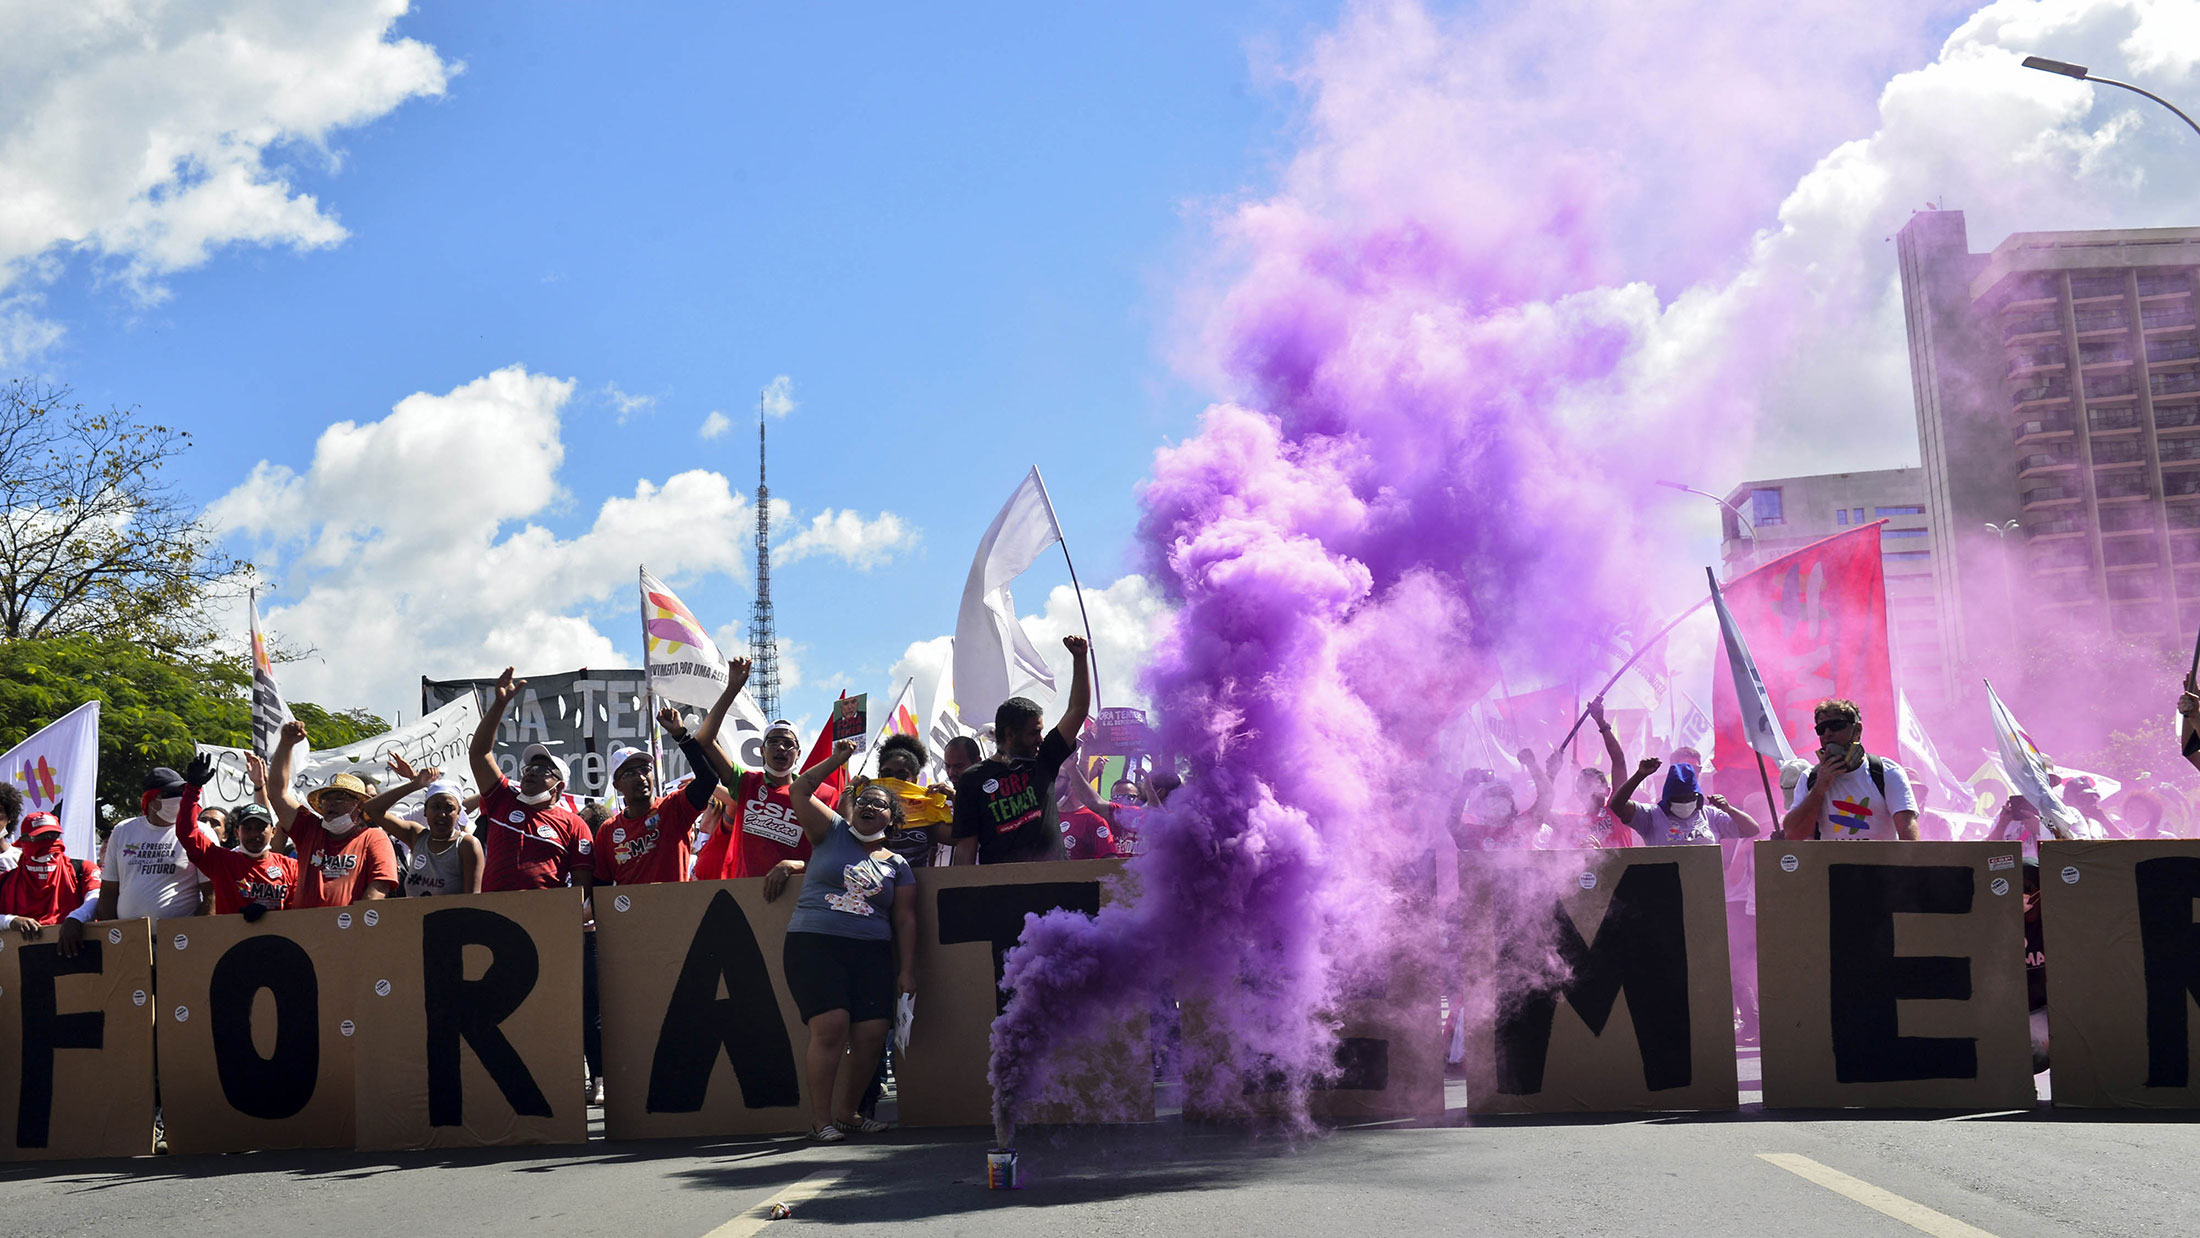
(347, 1027)
(992, 785)
(544, 831)
(2000, 885)
(1789, 863)
(2070, 875)
(372, 917)
(114, 937)
(619, 835)
(343, 919)
(516, 816)
(623, 903)
(137, 998)
(183, 1013)
(381, 988)
(1588, 881)
(182, 941)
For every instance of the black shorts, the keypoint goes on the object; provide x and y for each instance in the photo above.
(827, 972)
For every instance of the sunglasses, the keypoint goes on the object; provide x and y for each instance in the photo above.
(1830, 725)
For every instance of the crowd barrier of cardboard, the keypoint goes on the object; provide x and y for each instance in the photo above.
(1892, 976)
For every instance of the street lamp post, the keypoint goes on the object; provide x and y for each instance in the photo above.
(2001, 534)
(2079, 71)
(1742, 520)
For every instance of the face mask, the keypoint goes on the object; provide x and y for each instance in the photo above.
(540, 797)
(169, 809)
(341, 823)
(1684, 808)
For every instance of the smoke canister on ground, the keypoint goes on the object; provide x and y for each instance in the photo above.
(1000, 1169)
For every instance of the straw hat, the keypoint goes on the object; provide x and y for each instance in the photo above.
(349, 783)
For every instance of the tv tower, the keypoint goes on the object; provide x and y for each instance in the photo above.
(763, 644)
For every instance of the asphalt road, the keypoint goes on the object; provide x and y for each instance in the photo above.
(2007, 1175)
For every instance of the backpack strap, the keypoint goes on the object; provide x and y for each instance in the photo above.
(1878, 770)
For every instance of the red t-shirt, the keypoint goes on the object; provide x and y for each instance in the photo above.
(45, 883)
(270, 880)
(1086, 835)
(764, 830)
(655, 848)
(335, 869)
(531, 847)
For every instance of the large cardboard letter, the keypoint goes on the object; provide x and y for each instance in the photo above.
(2117, 924)
(1638, 937)
(255, 1044)
(1891, 975)
(700, 1034)
(469, 1016)
(967, 918)
(76, 1044)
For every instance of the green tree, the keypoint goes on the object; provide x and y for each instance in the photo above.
(93, 539)
(154, 707)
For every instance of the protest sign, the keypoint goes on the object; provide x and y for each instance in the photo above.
(582, 715)
(1121, 732)
(851, 719)
(967, 920)
(1611, 992)
(2120, 1008)
(700, 1034)
(76, 1044)
(1891, 975)
(441, 738)
(469, 1019)
(255, 1030)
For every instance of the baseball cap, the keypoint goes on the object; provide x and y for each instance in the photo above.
(250, 812)
(528, 754)
(39, 823)
(165, 780)
(783, 725)
(621, 755)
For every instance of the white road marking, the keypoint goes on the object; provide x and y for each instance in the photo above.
(1908, 1211)
(753, 1219)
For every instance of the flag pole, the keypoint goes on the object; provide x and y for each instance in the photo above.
(1092, 647)
(649, 686)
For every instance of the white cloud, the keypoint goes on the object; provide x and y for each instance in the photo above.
(847, 536)
(778, 397)
(625, 406)
(715, 425)
(150, 134)
(406, 554)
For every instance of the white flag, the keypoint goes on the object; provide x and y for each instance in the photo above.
(904, 703)
(2027, 771)
(1759, 722)
(269, 710)
(1919, 754)
(682, 661)
(992, 654)
(939, 720)
(60, 766)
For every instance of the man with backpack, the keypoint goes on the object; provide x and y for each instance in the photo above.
(1850, 794)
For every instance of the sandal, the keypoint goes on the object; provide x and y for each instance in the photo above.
(860, 1125)
(828, 1133)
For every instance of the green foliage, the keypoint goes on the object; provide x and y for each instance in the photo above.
(153, 706)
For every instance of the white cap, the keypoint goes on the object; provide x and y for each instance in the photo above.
(528, 754)
(621, 755)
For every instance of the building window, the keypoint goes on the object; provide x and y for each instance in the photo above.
(1898, 511)
(1856, 515)
(1764, 507)
(1902, 532)
(1908, 554)
(1840, 515)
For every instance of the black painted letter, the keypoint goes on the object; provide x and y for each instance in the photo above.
(2170, 946)
(279, 1086)
(996, 914)
(744, 1024)
(46, 1029)
(1868, 978)
(471, 1010)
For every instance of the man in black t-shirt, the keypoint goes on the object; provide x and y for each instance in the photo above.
(1004, 806)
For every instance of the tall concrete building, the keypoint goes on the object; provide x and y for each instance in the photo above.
(1788, 513)
(2057, 382)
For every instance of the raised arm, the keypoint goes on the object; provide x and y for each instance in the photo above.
(1539, 773)
(816, 818)
(1080, 690)
(482, 753)
(1613, 755)
(283, 798)
(698, 754)
(377, 810)
(737, 678)
(1622, 802)
(1744, 824)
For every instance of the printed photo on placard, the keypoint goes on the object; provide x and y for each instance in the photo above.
(76, 1044)
(469, 1020)
(1891, 975)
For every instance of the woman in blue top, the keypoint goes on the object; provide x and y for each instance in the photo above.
(843, 941)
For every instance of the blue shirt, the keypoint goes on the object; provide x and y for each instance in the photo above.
(847, 891)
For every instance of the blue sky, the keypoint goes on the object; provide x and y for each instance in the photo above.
(960, 235)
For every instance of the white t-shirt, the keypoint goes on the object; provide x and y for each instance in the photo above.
(151, 876)
(1854, 808)
(1660, 828)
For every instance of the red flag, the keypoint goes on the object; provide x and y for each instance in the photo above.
(823, 750)
(1816, 623)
